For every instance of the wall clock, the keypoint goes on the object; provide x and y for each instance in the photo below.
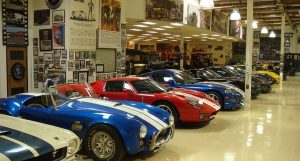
(53, 4)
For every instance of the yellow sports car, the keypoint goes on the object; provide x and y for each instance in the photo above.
(272, 74)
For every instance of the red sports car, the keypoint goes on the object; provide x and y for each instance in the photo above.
(185, 105)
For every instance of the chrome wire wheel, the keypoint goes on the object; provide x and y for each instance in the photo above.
(166, 108)
(103, 145)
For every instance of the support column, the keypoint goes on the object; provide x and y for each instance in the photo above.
(282, 38)
(249, 48)
(181, 52)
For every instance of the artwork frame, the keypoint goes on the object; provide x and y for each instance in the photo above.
(45, 39)
(83, 76)
(48, 58)
(58, 37)
(41, 17)
(219, 22)
(58, 16)
(99, 68)
(113, 12)
(59, 77)
(205, 19)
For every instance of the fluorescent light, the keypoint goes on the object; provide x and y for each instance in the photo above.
(174, 40)
(272, 34)
(207, 4)
(215, 35)
(167, 27)
(149, 23)
(147, 34)
(195, 35)
(176, 24)
(235, 15)
(187, 37)
(254, 25)
(135, 29)
(177, 36)
(159, 29)
(143, 26)
(166, 34)
(264, 30)
(152, 32)
(129, 35)
(204, 34)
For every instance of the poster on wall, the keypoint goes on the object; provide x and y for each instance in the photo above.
(58, 31)
(110, 11)
(83, 15)
(166, 10)
(45, 39)
(193, 15)
(205, 19)
(235, 29)
(219, 22)
(15, 22)
(42, 17)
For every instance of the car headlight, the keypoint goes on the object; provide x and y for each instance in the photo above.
(171, 120)
(195, 103)
(143, 131)
(72, 147)
(229, 90)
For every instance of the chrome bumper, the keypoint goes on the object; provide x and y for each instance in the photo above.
(156, 145)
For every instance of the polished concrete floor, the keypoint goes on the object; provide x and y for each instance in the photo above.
(268, 130)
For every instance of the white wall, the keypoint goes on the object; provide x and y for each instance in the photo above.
(135, 9)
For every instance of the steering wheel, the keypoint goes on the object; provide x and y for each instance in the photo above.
(36, 105)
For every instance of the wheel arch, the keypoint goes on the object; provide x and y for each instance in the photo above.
(212, 90)
(166, 101)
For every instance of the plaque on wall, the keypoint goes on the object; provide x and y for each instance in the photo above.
(15, 22)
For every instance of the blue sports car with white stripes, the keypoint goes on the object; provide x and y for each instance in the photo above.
(109, 130)
(22, 139)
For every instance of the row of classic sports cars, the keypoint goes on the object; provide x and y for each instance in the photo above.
(110, 117)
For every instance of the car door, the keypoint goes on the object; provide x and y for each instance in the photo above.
(114, 90)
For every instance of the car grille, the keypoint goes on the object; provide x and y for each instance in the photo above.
(163, 135)
(56, 155)
(161, 138)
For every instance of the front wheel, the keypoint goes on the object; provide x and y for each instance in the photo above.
(169, 108)
(216, 96)
(103, 143)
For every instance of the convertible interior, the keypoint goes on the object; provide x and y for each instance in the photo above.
(43, 101)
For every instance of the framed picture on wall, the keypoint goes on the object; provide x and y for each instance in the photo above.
(58, 36)
(57, 77)
(41, 17)
(99, 68)
(48, 58)
(58, 16)
(82, 76)
(45, 39)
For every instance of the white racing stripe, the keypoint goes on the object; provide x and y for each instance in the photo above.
(33, 151)
(33, 94)
(3, 157)
(201, 100)
(151, 119)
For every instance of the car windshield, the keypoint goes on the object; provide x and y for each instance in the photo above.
(73, 91)
(147, 86)
(184, 78)
(223, 72)
(208, 74)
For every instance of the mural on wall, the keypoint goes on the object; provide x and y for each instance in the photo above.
(15, 22)
(110, 11)
(58, 36)
(42, 17)
(205, 19)
(82, 26)
(219, 22)
(165, 10)
(193, 16)
(235, 28)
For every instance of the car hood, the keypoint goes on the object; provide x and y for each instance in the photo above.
(227, 85)
(37, 138)
(146, 114)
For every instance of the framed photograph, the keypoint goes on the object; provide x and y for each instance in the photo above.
(58, 36)
(35, 42)
(58, 16)
(63, 62)
(82, 64)
(114, 75)
(98, 77)
(99, 68)
(77, 64)
(77, 55)
(82, 76)
(41, 69)
(87, 64)
(64, 54)
(71, 55)
(45, 39)
(103, 76)
(56, 61)
(57, 77)
(35, 51)
(70, 65)
(86, 55)
(41, 60)
(48, 58)
(42, 17)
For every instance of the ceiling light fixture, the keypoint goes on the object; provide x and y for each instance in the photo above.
(135, 29)
(149, 23)
(215, 35)
(187, 37)
(195, 35)
(166, 34)
(272, 34)
(176, 24)
(206, 4)
(264, 30)
(159, 29)
(152, 32)
(254, 24)
(142, 26)
(167, 27)
(235, 15)
(147, 34)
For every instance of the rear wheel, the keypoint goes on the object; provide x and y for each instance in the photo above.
(169, 108)
(104, 143)
(216, 96)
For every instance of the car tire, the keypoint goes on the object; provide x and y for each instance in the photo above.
(113, 142)
(169, 108)
(216, 96)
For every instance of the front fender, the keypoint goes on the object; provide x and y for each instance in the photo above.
(11, 105)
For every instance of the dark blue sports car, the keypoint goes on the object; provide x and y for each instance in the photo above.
(108, 129)
(227, 95)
